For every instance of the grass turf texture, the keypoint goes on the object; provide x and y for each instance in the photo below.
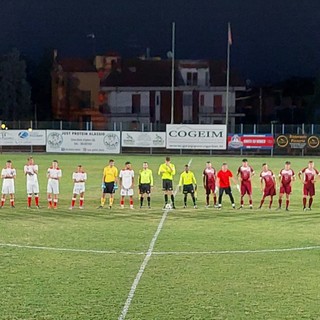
(46, 284)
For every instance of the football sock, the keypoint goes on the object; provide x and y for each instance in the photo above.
(310, 202)
(270, 203)
(29, 201)
(185, 200)
(81, 201)
(165, 198)
(280, 203)
(36, 198)
(149, 200)
(304, 201)
(73, 201)
(287, 203)
(172, 199)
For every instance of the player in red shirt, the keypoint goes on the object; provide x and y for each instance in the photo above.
(268, 179)
(286, 177)
(209, 183)
(245, 172)
(223, 183)
(309, 178)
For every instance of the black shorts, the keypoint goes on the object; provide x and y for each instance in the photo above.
(188, 188)
(226, 190)
(144, 188)
(108, 187)
(167, 185)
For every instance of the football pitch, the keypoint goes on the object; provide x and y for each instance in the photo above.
(154, 264)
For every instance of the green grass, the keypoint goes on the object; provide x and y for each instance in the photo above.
(181, 284)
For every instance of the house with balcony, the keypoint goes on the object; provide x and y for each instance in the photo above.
(138, 91)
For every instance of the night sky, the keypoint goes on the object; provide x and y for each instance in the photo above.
(272, 39)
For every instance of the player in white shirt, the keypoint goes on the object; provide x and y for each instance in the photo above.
(54, 174)
(8, 174)
(31, 172)
(79, 178)
(126, 176)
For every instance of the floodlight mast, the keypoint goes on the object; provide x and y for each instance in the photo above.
(172, 71)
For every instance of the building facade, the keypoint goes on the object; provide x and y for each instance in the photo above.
(136, 91)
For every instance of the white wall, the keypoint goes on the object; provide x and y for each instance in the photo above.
(208, 99)
(121, 102)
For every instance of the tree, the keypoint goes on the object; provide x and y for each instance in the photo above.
(15, 91)
(40, 79)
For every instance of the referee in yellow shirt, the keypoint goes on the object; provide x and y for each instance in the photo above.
(109, 183)
(145, 183)
(189, 185)
(167, 170)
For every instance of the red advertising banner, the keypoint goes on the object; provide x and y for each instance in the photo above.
(250, 141)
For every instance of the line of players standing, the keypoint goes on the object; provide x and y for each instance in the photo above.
(215, 183)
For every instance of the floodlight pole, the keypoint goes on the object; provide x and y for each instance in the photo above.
(228, 74)
(172, 71)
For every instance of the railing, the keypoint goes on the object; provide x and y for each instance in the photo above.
(302, 131)
(137, 125)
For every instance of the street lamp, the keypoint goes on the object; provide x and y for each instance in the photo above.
(3, 127)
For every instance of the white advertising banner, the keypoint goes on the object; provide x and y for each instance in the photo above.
(196, 136)
(22, 137)
(143, 139)
(76, 141)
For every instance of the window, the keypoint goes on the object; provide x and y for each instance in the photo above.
(192, 78)
(195, 78)
(136, 103)
(201, 102)
(85, 99)
(157, 111)
(217, 103)
(187, 107)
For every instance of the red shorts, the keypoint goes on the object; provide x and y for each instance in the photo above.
(285, 189)
(271, 191)
(210, 188)
(309, 190)
(246, 188)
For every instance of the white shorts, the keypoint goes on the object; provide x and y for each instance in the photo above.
(79, 187)
(7, 186)
(126, 192)
(53, 186)
(32, 187)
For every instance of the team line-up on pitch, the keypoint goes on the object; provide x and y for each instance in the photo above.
(215, 184)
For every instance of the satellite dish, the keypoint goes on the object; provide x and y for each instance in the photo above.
(169, 55)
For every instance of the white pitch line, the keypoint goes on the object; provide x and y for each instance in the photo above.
(12, 245)
(145, 261)
(158, 253)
